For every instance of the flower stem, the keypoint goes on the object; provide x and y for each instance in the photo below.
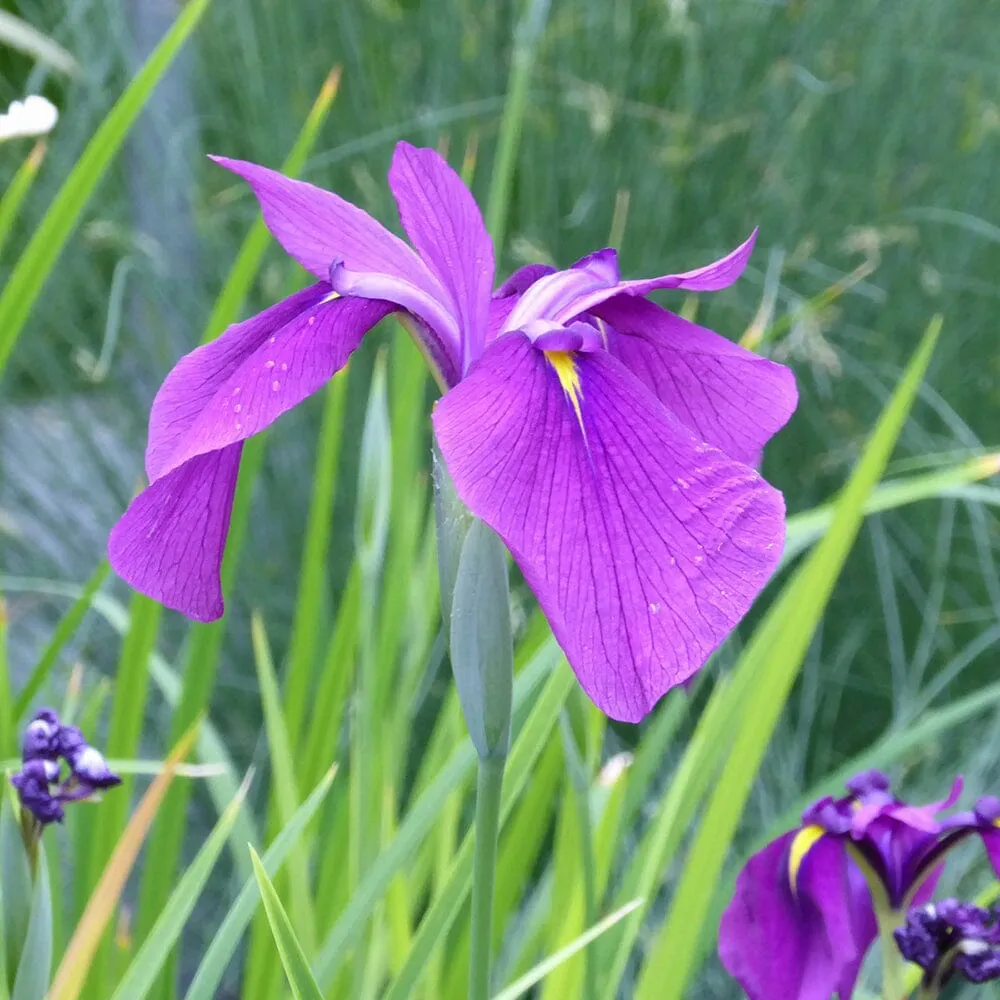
(893, 987)
(488, 789)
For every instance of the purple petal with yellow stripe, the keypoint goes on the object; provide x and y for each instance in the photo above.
(644, 545)
(801, 943)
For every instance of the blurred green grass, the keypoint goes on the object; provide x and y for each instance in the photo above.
(866, 136)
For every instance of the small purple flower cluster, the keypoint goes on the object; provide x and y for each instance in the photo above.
(952, 937)
(46, 740)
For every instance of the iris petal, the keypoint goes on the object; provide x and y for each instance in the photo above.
(443, 222)
(195, 379)
(317, 227)
(644, 545)
(734, 399)
(804, 946)
(236, 386)
(169, 543)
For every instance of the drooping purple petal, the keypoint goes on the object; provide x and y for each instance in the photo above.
(236, 386)
(195, 379)
(444, 223)
(644, 546)
(317, 228)
(169, 543)
(806, 945)
(732, 398)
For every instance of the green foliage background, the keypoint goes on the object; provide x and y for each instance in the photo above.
(856, 136)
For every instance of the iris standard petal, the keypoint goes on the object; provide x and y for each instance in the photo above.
(732, 398)
(317, 227)
(806, 945)
(522, 279)
(195, 379)
(444, 223)
(554, 296)
(710, 278)
(271, 374)
(169, 543)
(643, 545)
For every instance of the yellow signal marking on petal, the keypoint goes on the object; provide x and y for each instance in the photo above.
(802, 843)
(569, 378)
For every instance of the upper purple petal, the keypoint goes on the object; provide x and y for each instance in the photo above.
(732, 398)
(554, 296)
(522, 279)
(443, 222)
(169, 543)
(563, 295)
(807, 945)
(317, 228)
(237, 385)
(644, 546)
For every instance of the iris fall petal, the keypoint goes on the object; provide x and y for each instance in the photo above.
(644, 545)
(734, 399)
(169, 543)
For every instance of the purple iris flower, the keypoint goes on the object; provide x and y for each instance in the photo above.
(951, 937)
(802, 916)
(609, 442)
(45, 742)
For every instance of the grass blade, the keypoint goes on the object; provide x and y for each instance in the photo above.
(205, 640)
(63, 632)
(564, 954)
(39, 258)
(206, 981)
(145, 967)
(22, 36)
(284, 782)
(441, 915)
(72, 971)
(527, 34)
(8, 740)
(810, 525)
(35, 966)
(17, 190)
(420, 819)
(300, 977)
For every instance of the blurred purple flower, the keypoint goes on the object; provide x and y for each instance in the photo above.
(33, 783)
(608, 441)
(951, 937)
(802, 916)
(45, 742)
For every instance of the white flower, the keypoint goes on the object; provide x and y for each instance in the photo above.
(32, 116)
